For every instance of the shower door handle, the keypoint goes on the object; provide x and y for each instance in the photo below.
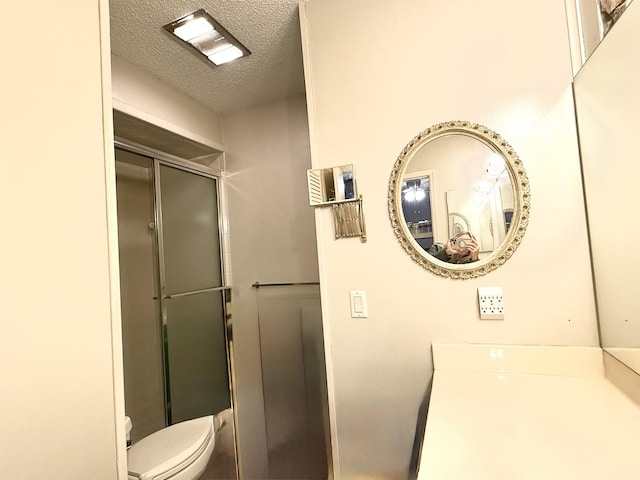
(193, 292)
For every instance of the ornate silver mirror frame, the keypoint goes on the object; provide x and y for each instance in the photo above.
(521, 194)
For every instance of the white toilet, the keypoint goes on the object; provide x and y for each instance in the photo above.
(178, 452)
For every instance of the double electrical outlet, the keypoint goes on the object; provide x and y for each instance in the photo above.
(491, 303)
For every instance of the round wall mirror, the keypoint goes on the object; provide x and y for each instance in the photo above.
(459, 199)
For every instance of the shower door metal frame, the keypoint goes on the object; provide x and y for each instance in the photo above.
(163, 297)
(160, 158)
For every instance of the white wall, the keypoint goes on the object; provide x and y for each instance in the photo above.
(377, 73)
(143, 96)
(58, 398)
(607, 103)
(272, 240)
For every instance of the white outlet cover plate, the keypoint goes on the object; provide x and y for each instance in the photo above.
(491, 303)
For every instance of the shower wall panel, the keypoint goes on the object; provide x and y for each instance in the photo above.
(141, 336)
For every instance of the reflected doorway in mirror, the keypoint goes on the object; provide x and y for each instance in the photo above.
(417, 192)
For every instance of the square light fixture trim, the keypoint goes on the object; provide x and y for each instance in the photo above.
(203, 33)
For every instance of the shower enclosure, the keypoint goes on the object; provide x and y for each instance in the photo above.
(174, 323)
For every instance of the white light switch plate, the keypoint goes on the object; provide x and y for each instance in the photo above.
(358, 301)
(491, 302)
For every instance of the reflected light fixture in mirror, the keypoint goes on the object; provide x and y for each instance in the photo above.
(204, 34)
(459, 179)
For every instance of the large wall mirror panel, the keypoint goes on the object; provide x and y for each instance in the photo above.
(607, 96)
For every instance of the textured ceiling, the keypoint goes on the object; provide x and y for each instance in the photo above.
(270, 29)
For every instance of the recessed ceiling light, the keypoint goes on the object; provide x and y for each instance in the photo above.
(200, 31)
(225, 55)
(193, 28)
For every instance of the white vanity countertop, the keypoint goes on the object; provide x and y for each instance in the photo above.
(512, 425)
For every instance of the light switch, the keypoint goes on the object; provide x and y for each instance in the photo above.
(358, 303)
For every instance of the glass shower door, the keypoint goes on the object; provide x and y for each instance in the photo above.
(142, 345)
(192, 294)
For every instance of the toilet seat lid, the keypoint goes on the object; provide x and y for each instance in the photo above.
(169, 450)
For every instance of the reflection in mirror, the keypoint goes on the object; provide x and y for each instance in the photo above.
(472, 177)
(416, 206)
(453, 199)
(607, 96)
(458, 224)
(331, 185)
(610, 12)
